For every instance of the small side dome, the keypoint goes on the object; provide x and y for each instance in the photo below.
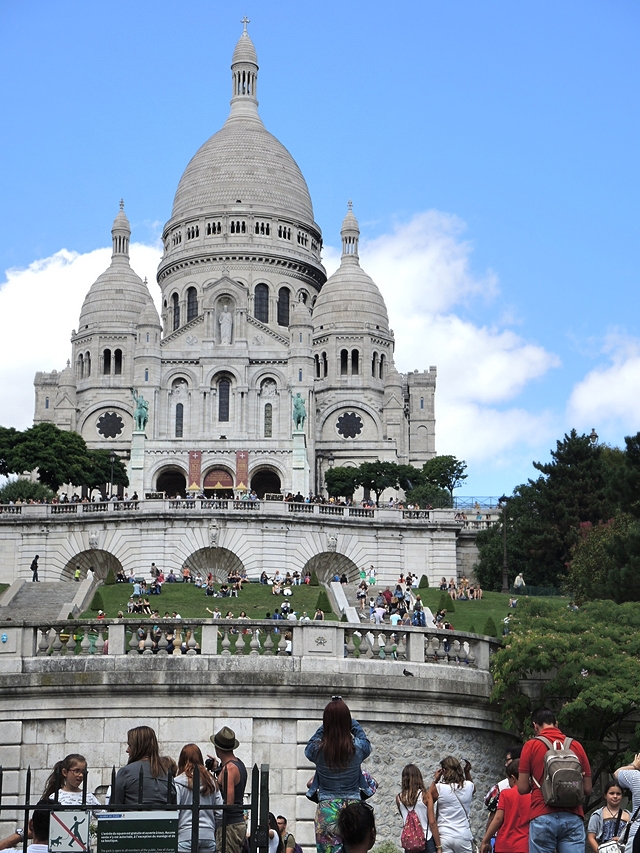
(350, 298)
(149, 316)
(118, 296)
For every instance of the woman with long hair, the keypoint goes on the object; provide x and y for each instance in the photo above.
(190, 758)
(275, 839)
(453, 788)
(338, 749)
(414, 796)
(144, 754)
(69, 775)
(357, 828)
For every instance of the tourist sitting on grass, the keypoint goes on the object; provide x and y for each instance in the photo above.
(276, 589)
(264, 578)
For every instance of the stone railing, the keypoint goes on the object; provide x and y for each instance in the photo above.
(238, 637)
(232, 505)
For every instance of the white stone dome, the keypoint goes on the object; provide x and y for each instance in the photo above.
(350, 298)
(118, 296)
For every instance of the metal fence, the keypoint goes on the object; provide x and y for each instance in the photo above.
(257, 808)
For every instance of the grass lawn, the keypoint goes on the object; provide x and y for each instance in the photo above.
(184, 598)
(3, 586)
(472, 615)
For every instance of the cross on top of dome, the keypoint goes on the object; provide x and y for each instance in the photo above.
(245, 21)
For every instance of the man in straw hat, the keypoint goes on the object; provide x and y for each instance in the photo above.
(232, 777)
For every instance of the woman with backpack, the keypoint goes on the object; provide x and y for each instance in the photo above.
(415, 804)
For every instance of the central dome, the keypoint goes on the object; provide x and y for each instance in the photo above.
(243, 163)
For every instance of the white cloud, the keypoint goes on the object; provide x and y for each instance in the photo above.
(609, 395)
(39, 307)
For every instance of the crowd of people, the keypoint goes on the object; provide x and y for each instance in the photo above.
(536, 808)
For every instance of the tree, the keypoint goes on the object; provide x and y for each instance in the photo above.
(100, 471)
(543, 517)
(447, 472)
(60, 456)
(340, 482)
(7, 442)
(25, 490)
(593, 572)
(378, 476)
(584, 664)
(428, 494)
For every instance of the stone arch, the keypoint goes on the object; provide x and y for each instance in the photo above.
(265, 479)
(330, 563)
(177, 373)
(218, 481)
(172, 480)
(94, 558)
(218, 561)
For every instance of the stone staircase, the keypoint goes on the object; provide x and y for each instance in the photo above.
(40, 601)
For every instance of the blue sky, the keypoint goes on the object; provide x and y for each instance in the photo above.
(490, 149)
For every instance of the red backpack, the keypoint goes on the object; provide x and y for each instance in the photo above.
(412, 839)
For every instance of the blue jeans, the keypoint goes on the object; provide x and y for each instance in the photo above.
(561, 831)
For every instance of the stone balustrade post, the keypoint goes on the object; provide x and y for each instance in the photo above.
(117, 639)
(482, 651)
(415, 646)
(209, 644)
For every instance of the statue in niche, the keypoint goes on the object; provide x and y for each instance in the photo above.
(299, 411)
(141, 413)
(268, 388)
(225, 321)
(93, 540)
(332, 542)
(213, 534)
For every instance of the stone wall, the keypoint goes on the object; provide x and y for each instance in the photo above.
(54, 706)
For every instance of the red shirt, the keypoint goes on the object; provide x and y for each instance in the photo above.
(513, 835)
(532, 763)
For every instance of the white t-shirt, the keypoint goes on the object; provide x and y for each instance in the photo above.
(74, 798)
(453, 809)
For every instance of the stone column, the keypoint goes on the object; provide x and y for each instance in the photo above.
(136, 463)
(300, 465)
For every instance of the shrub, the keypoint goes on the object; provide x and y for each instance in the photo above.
(472, 630)
(424, 582)
(323, 602)
(110, 578)
(314, 579)
(96, 602)
(343, 618)
(490, 629)
(386, 847)
(446, 603)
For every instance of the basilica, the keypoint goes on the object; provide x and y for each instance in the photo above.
(261, 372)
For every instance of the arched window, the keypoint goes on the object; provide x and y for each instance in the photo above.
(106, 362)
(80, 366)
(46, 402)
(374, 365)
(223, 399)
(344, 362)
(176, 311)
(283, 306)
(192, 304)
(316, 358)
(261, 303)
(146, 374)
(179, 420)
(355, 362)
(268, 420)
(87, 364)
(382, 366)
(300, 375)
(422, 402)
(325, 365)
(117, 361)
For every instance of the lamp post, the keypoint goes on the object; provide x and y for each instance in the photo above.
(503, 501)
(593, 437)
(112, 458)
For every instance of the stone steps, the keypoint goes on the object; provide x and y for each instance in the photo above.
(40, 600)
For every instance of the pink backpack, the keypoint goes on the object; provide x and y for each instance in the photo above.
(412, 839)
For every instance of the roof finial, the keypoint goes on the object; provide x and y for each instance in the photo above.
(245, 21)
(350, 204)
(121, 204)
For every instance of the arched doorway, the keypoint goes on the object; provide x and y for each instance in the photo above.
(329, 564)
(173, 482)
(94, 558)
(265, 481)
(218, 483)
(218, 561)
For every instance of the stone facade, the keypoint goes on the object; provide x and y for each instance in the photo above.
(248, 322)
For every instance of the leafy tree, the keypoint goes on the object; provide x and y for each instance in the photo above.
(25, 490)
(543, 517)
(100, 471)
(593, 572)
(446, 472)
(378, 476)
(340, 482)
(60, 456)
(428, 494)
(7, 442)
(585, 664)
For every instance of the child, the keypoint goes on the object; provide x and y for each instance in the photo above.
(69, 773)
(511, 820)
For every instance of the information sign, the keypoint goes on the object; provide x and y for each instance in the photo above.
(131, 832)
(69, 831)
